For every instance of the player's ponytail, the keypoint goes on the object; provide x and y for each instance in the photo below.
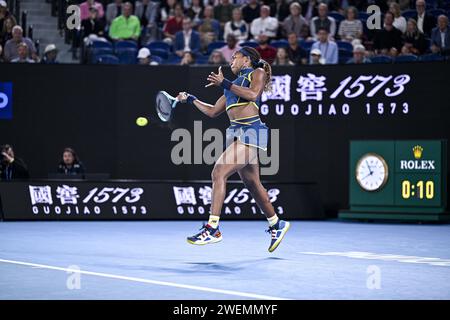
(257, 62)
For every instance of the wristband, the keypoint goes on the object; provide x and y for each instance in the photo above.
(190, 99)
(226, 84)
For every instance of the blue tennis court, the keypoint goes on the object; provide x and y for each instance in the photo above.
(152, 260)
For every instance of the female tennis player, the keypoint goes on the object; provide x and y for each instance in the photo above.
(241, 100)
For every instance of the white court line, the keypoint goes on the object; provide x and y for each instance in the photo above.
(141, 280)
(385, 257)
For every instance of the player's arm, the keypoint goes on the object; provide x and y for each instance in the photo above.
(210, 110)
(251, 93)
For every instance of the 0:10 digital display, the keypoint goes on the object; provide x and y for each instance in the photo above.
(421, 189)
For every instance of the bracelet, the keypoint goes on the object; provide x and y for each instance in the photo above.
(226, 84)
(190, 99)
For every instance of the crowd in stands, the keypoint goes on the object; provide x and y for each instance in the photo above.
(284, 32)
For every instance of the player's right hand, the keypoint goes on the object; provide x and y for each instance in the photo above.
(182, 97)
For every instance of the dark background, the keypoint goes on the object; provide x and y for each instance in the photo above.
(93, 109)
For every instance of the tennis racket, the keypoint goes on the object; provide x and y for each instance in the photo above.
(165, 104)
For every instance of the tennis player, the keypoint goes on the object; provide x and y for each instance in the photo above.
(241, 100)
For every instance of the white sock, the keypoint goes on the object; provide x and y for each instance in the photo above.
(214, 221)
(273, 220)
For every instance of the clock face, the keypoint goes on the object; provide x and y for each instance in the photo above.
(371, 172)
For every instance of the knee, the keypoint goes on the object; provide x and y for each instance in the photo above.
(218, 174)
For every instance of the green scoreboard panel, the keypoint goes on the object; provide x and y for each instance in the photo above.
(402, 179)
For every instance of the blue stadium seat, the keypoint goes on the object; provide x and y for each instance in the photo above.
(94, 53)
(363, 15)
(381, 59)
(160, 53)
(337, 16)
(157, 59)
(252, 44)
(409, 13)
(431, 57)
(125, 44)
(107, 59)
(406, 58)
(201, 59)
(436, 12)
(127, 55)
(159, 45)
(344, 55)
(173, 59)
(279, 44)
(306, 44)
(215, 45)
(101, 44)
(344, 45)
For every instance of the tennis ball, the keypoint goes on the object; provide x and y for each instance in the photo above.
(141, 121)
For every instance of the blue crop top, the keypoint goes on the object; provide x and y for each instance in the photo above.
(244, 79)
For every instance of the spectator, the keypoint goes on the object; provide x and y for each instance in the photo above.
(251, 11)
(11, 46)
(323, 21)
(223, 12)
(295, 21)
(92, 25)
(113, 10)
(329, 49)
(425, 22)
(316, 57)
(50, 54)
(168, 10)
(174, 24)
(388, 41)
(296, 54)
(195, 11)
(187, 59)
(282, 58)
(70, 163)
(228, 50)
(22, 50)
(237, 27)
(310, 9)
(11, 167)
(359, 55)
(399, 20)
(440, 36)
(8, 25)
(209, 28)
(266, 51)
(351, 28)
(125, 26)
(187, 40)
(216, 58)
(145, 57)
(265, 24)
(413, 40)
(87, 5)
(279, 10)
(147, 12)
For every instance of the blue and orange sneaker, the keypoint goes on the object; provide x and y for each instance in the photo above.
(277, 232)
(207, 235)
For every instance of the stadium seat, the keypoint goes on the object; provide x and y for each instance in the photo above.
(101, 44)
(215, 45)
(157, 59)
(363, 15)
(409, 13)
(252, 44)
(431, 57)
(436, 12)
(279, 44)
(201, 59)
(160, 53)
(94, 53)
(337, 16)
(344, 45)
(344, 55)
(107, 59)
(306, 44)
(127, 55)
(381, 59)
(159, 45)
(406, 58)
(125, 44)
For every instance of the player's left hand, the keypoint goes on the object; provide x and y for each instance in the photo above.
(216, 78)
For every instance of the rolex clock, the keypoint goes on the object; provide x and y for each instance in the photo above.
(371, 172)
(401, 179)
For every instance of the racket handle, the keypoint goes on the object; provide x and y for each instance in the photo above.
(209, 85)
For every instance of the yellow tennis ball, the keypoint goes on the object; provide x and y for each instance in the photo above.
(141, 121)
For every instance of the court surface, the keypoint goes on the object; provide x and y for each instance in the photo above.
(152, 260)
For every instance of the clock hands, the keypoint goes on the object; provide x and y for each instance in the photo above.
(370, 170)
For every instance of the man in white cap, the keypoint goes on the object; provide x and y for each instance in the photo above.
(50, 54)
(144, 56)
(315, 57)
(359, 55)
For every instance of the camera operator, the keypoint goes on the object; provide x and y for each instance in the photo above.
(70, 164)
(11, 167)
